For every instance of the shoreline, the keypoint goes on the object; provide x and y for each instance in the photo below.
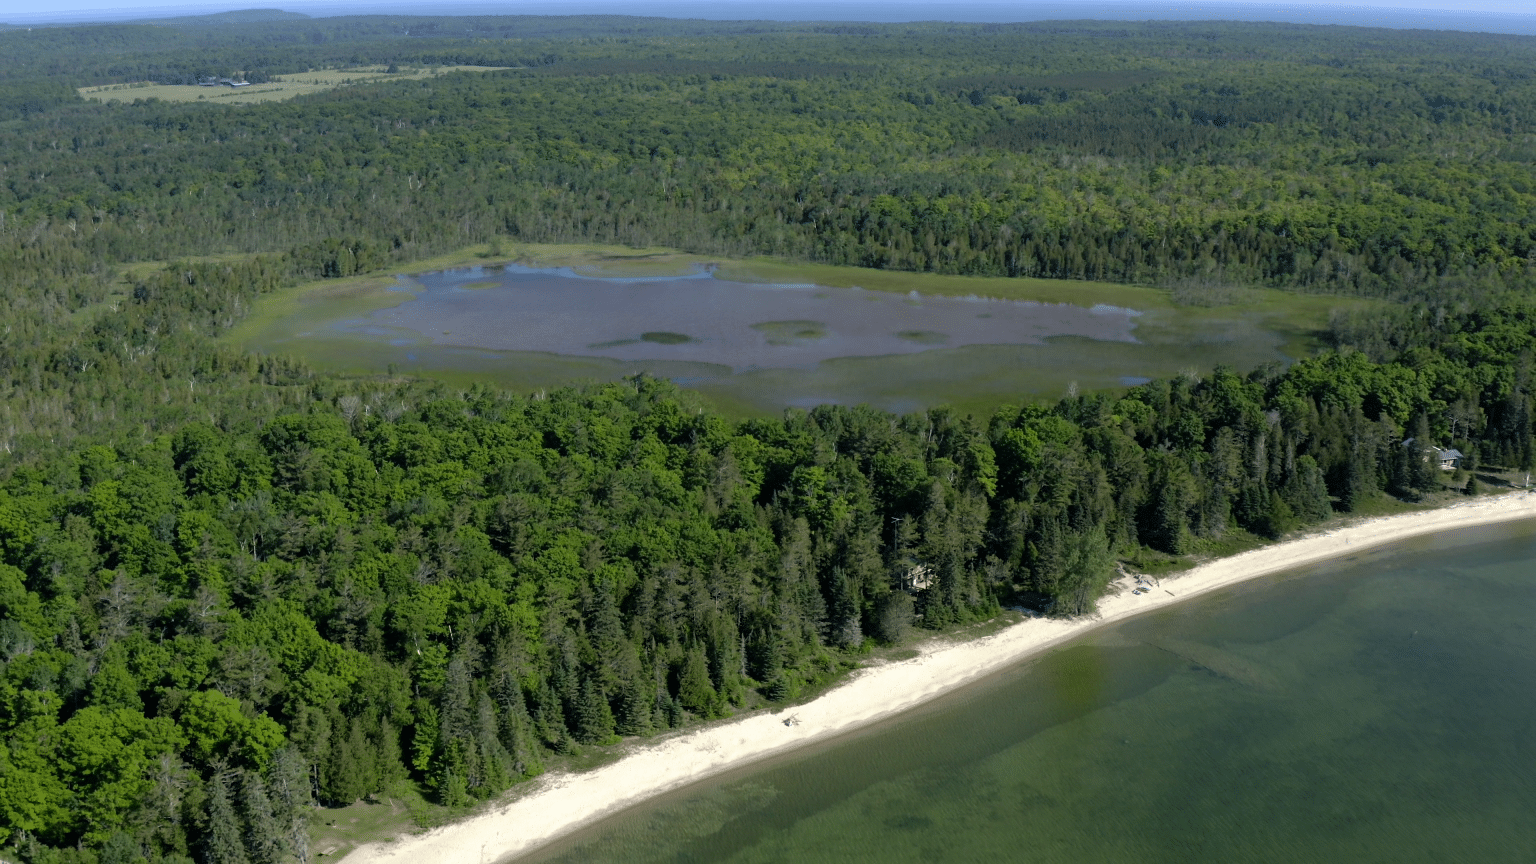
(560, 804)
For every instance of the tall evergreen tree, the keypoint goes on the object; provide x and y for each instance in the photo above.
(1307, 492)
(842, 611)
(264, 835)
(291, 794)
(633, 714)
(552, 726)
(694, 690)
(516, 727)
(223, 843)
(893, 617)
(1088, 568)
(494, 769)
(352, 770)
(1360, 474)
(594, 719)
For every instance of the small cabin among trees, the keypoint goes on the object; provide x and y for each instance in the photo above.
(1448, 460)
(919, 577)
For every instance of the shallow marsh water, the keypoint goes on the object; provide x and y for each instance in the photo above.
(701, 319)
(1381, 708)
(757, 348)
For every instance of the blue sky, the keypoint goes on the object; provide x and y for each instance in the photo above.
(27, 11)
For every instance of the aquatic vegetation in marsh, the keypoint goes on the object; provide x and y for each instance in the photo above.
(753, 347)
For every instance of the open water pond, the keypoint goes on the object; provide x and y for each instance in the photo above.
(756, 347)
(1381, 708)
(701, 319)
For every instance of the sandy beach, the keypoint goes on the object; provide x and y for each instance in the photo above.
(557, 804)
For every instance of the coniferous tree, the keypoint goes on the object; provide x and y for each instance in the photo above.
(458, 755)
(352, 770)
(1279, 518)
(1088, 567)
(893, 617)
(694, 690)
(1402, 468)
(633, 714)
(1360, 474)
(798, 574)
(288, 782)
(552, 728)
(494, 770)
(1046, 554)
(594, 719)
(1425, 469)
(1307, 491)
(264, 835)
(389, 767)
(1169, 530)
(842, 611)
(516, 728)
(122, 848)
(765, 656)
(1253, 509)
(223, 843)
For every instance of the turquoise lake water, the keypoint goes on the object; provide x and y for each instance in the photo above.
(1378, 709)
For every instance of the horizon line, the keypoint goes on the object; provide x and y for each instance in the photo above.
(1391, 14)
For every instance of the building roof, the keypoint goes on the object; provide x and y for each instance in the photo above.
(1442, 454)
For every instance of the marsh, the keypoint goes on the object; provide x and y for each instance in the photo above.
(756, 347)
(702, 319)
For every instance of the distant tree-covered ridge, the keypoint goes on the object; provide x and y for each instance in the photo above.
(204, 630)
(1337, 159)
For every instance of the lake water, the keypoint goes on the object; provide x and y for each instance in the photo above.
(701, 319)
(1376, 709)
(754, 348)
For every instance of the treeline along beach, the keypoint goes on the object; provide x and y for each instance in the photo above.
(373, 582)
(232, 587)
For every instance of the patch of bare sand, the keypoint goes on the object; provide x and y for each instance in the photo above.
(559, 804)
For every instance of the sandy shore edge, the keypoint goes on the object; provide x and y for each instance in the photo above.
(561, 803)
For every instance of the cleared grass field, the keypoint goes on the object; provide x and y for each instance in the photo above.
(283, 88)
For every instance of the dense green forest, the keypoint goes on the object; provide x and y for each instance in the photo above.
(231, 589)
(1336, 159)
(376, 583)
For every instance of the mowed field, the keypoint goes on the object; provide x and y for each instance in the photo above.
(284, 87)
